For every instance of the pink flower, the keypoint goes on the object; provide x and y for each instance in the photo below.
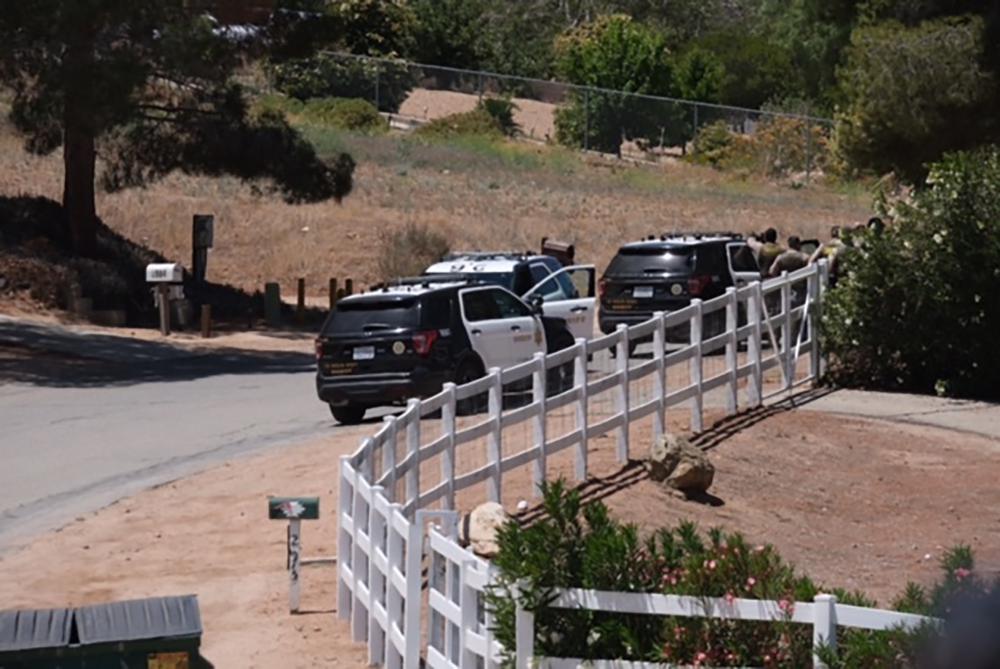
(730, 598)
(759, 548)
(751, 582)
(701, 657)
(711, 564)
(767, 659)
(786, 605)
(962, 573)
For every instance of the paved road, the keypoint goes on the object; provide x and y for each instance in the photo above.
(77, 435)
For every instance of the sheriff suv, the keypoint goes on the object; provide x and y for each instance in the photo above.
(386, 346)
(563, 292)
(666, 273)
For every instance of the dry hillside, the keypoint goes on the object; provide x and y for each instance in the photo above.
(480, 195)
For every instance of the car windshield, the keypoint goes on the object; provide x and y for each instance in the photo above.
(363, 316)
(653, 260)
(502, 279)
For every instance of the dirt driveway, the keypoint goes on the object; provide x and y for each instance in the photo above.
(854, 502)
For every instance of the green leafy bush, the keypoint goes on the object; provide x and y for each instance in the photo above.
(916, 308)
(573, 545)
(476, 122)
(778, 147)
(333, 76)
(346, 114)
(502, 110)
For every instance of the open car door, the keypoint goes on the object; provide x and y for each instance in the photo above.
(569, 294)
(742, 264)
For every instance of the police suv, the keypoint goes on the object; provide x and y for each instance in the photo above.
(564, 292)
(403, 341)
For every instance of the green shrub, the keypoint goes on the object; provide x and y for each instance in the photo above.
(349, 114)
(779, 146)
(332, 76)
(477, 122)
(502, 110)
(916, 308)
(573, 545)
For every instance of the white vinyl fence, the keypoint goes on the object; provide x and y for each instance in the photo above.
(397, 508)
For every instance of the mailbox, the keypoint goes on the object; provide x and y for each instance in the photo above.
(164, 272)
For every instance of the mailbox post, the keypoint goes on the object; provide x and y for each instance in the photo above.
(295, 510)
(167, 280)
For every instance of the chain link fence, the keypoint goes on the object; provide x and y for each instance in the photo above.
(627, 125)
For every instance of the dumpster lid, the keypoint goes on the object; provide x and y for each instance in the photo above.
(38, 628)
(153, 618)
(132, 620)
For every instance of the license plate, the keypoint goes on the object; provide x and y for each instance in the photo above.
(642, 291)
(364, 352)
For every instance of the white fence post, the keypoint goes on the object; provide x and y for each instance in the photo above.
(448, 454)
(697, 402)
(824, 626)
(539, 432)
(344, 543)
(376, 581)
(621, 395)
(732, 360)
(755, 344)
(580, 378)
(389, 457)
(359, 566)
(413, 604)
(468, 601)
(659, 377)
(393, 598)
(494, 454)
(787, 347)
(815, 318)
(413, 453)
(524, 647)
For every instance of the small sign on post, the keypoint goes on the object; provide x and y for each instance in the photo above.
(294, 510)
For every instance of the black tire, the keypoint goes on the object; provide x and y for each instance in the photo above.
(350, 414)
(470, 370)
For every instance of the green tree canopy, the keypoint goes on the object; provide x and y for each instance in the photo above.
(148, 86)
(914, 93)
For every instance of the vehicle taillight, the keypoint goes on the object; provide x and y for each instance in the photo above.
(602, 287)
(319, 349)
(698, 283)
(424, 341)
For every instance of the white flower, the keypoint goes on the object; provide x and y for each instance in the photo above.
(938, 238)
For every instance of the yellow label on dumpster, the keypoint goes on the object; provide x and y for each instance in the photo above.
(168, 661)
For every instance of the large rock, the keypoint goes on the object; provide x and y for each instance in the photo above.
(679, 465)
(481, 528)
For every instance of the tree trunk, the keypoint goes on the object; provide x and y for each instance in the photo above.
(79, 134)
(78, 184)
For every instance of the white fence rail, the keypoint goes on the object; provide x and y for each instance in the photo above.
(410, 472)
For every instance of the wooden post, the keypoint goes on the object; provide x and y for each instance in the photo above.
(659, 377)
(621, 394)
(300, 301)
(732, 359)
(163, 295)
(294, 560)
(272, 304)
(824, 625)
(755, 345)
(413, 453)
(697, 402)
(494, 453)
(448, 454)
(333, 293)
(349, 286)
(539, 421)
(580, 377)
(206, 321)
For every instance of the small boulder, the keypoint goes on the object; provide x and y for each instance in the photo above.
(480, 528)
(680, 466)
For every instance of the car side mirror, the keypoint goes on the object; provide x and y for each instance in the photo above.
(535, 303)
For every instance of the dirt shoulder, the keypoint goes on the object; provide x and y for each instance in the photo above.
(853, 502)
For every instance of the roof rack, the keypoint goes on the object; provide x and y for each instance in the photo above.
(486, 255)
(694, 234)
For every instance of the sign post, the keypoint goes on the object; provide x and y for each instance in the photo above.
(202, 237)
(294, 510)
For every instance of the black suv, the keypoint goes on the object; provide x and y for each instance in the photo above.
(384, 347)
(666, 273)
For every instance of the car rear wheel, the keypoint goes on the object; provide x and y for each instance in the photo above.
(349, 414)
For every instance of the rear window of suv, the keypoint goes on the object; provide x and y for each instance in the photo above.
(653, 260)
(362, 316)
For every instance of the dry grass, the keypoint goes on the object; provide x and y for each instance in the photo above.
(480, 195)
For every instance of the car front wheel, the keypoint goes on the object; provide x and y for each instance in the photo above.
(350, 414)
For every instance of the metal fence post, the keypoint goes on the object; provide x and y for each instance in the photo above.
(697, 402)
(694, 132)
(538, 398)
(494, 454)
(586, 119)
(378, 99)
(824, 626)
(732, 360)
(413, 453)
(448, 454)
(809, 142)
(621, 396)
(580, 379)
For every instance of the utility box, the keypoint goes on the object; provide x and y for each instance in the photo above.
(164, 272)
(155, 633)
